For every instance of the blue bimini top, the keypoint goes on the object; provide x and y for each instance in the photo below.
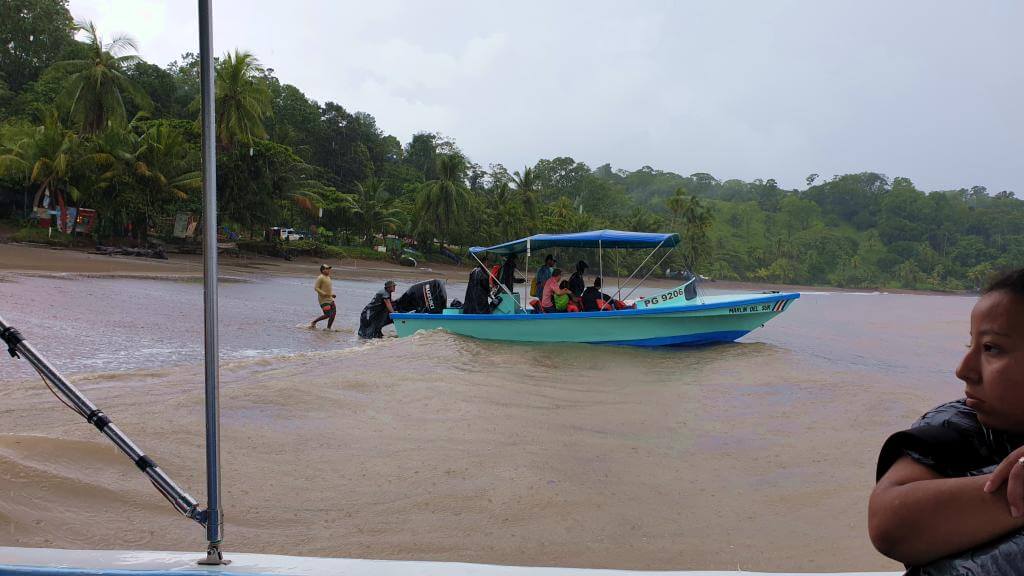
(592, 239)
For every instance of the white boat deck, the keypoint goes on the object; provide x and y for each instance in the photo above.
(46, 561)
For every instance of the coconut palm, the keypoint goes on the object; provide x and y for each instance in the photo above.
(697, 220)
(505, 210)
(677, 204)
(166, 163)
(242, 101)
(54, 160)
(526, 186)
(162, 168)
(94, 93)
(439, 203)
(373, 210)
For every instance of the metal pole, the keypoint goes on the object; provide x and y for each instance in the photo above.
(74, 399)
(215, 520)
(527, 293)
(630, 278)
(651, 271)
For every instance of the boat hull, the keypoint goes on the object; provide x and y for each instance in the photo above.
(715, 319)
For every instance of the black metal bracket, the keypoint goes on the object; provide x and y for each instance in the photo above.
(214, 556)
(12, 338)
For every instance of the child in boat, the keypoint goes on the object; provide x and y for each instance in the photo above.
(563, 300)
(950, 491)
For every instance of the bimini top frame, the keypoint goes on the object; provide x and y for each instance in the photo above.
(599, 239)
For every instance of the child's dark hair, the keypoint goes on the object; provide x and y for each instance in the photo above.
(563, 284)
(1012, 282)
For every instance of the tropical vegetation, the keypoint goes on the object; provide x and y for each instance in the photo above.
(88, 123)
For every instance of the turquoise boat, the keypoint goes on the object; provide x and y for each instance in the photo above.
(680, 316)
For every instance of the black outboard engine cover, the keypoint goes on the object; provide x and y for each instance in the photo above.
(427, 297)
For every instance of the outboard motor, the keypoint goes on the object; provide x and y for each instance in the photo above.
(427, 297)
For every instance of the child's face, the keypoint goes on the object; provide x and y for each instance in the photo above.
(993, 368)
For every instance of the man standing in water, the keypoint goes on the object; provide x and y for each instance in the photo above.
(325, 294)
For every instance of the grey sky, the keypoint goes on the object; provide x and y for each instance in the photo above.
(756, 89)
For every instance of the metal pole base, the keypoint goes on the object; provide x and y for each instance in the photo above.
(214, 557)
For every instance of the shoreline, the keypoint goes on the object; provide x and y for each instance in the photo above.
(23, 259)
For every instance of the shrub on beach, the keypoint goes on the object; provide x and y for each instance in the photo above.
(43, 236)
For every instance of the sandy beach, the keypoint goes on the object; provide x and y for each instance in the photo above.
(38, 259)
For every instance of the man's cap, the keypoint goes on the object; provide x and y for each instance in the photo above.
(389, 283)
(325, 267)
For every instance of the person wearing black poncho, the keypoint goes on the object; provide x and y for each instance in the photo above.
(950, 492)
(478, 291)
(377, 314)
(576, 282)
(507, 276)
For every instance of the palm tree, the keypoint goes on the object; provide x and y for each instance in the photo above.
(242, 101)
(94, 93)
(526, 186)
(53, 159)
(439, 202)
(373, 210)
(164, 169)
(641, 220)
(697, 219)
(507, 214)
(677, 204)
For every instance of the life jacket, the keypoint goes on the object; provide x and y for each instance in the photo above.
(561, 302)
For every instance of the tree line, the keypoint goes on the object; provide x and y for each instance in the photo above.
(88, 123)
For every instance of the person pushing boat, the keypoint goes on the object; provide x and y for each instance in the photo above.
(325, 296)
(377, 314)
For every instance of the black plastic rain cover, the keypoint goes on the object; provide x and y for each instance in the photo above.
(427, 297)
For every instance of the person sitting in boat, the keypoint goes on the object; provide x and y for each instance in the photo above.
(594, 300)
(553, 288)
(377, 314)
(543, 274)
(564, 302)
(949, 497)
(576, 281)
(478, 291)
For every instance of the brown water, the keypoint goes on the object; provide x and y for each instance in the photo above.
(757, 455)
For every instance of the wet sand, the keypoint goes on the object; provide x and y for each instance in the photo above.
(36, 259)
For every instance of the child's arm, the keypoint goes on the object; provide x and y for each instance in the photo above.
(917, 516)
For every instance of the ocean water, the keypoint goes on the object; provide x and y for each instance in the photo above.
(757, 454)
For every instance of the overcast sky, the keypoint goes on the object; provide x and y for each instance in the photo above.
(757, 89)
